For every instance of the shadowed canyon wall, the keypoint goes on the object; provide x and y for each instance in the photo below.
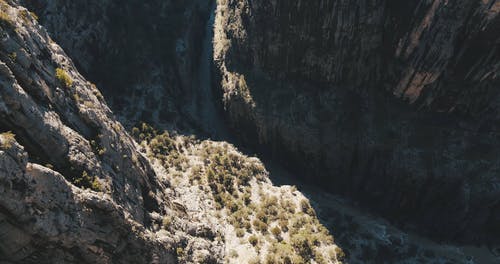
(392, 103)
(143, 55)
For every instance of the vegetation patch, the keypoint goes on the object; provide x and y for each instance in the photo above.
(8, 140)
(277, 223)
(89, 182)
(63, 77)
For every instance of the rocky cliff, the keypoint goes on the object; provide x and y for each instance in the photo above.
(75, 187)
(102, 208)
(394, 104)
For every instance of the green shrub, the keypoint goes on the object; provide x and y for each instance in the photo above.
(179, 251)
(247, 225)
(96, 147)
(339, 254)
(283, 223)
(63, 77)
(240, 232)
(162, 144)
(306, 208)
(210, 175)
(262, 216)
(96, 185)
(276, 231)
(288, 205)
(228, 183)
(25, 15)
(135, 132)
(77, 98)
(259, 225)
(102, 151)
(13, 56)
(167, 222)
(319, 258)
(247, 198)
(84, 180)
(254, 240)
(233, 207)
(302, 245)
(8, 140)
(117, 127)
(195, 174)
(270, 259)
(88, 181)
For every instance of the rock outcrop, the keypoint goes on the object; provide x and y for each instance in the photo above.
(46, 219)
(395, 104)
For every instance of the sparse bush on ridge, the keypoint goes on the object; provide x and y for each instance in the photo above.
(63, 77)
(276, 231)
(87, 181)
(240, 232)
(269, 219)
(97, 148)
(306, 208)
(254, 240)
(167, 222)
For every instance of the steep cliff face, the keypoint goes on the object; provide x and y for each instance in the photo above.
(144, 56)
(395, 104)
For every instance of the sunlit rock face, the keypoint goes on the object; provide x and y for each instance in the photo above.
(395, 104)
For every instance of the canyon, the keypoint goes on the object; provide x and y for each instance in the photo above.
(238, 131)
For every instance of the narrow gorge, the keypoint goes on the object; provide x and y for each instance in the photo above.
(249, 131)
